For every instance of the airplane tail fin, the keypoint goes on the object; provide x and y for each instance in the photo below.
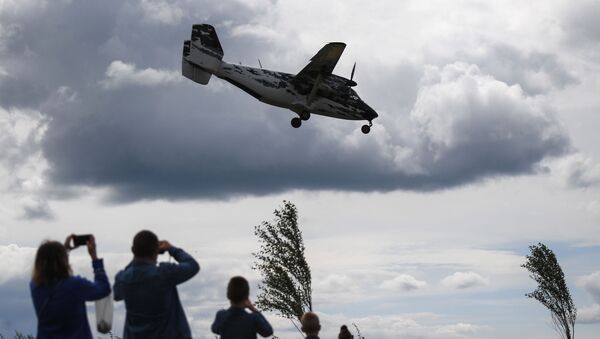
(202, 54)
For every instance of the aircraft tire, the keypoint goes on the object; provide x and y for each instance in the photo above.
(305, 116)
(365, 129)
(296, 122)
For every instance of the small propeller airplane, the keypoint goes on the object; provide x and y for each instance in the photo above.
(314, 90)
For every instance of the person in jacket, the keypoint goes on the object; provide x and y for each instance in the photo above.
(310, 325)
(153, 308)
(345, 333)
(59, 297)
(235, 322)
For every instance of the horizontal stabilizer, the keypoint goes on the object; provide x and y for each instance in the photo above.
(191, 71)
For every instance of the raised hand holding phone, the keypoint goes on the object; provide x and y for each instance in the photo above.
(68, 241)
(91, 245)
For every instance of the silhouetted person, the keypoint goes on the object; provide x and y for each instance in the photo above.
(310, 325)
(236, 322)
(344, 333)
(153, 308)
(59, 297)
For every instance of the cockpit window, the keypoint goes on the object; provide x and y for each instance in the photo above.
(353, 94)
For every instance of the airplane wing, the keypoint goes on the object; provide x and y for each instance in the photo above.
(323, 62)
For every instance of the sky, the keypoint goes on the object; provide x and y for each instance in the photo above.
(486, 143)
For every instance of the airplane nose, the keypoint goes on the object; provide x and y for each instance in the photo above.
(371, 114)
(374, 114)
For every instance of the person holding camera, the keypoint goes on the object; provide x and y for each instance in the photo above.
(310, 325)
(345, 333)
(236, 322)
(58, 296)
(153, 308)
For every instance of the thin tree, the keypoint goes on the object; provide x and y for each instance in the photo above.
(286, 278)
(552, 290)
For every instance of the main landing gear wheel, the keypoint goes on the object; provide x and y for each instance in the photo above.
(366, 129)
(305, 116)
(296, 122)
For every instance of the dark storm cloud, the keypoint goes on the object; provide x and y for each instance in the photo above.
(37, 211)
(180, 140)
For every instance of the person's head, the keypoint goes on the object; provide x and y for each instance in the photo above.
(145, 245)
(51, 263)
(344, 333)
(238, 290)
(310, 323)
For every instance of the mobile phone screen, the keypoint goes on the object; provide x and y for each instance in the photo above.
(80, 240)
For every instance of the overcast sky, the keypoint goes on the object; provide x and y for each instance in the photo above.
(486, 143)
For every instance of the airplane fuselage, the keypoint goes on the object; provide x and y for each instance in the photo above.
(332, 98)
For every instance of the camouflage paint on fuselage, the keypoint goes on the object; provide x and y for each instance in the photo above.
(333, 97)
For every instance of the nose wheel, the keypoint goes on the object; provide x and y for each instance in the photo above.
(296, 122)
(366, 128)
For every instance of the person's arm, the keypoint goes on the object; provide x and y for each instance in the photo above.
(262, 326)
(186, 268)
(216, 326)
(100, 288)
(118, 288)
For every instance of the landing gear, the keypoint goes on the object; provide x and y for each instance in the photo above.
(305, 116)
(296, 122)
(366, 128)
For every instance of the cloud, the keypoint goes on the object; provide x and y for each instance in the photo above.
(591, 283)
(535, 72)
(577, 170)
(120, 74)
(22, 183)
(581, 24)
(17, 262)
(464, 280)
(403, 282)
(458, 329)
(589, 315)
(465, 126)
(417, 325)
(161, 11)
(151, 134)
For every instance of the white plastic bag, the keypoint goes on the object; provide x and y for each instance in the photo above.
(104, 314)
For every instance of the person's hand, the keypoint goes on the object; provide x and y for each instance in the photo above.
(164, 246)
(91, 245)
(69, 241)
(248, 304)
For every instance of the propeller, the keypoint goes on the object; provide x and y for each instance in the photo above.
(351, 82)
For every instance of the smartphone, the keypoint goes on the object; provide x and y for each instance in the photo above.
(80, 240)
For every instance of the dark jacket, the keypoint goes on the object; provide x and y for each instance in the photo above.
(236, 323)
(60, 306)
(151, 299)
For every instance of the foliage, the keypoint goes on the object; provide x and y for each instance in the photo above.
(358, 331)
(19, 335)
(286, 286)
(552, 290)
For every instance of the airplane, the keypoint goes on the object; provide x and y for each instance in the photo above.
(315, 89)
